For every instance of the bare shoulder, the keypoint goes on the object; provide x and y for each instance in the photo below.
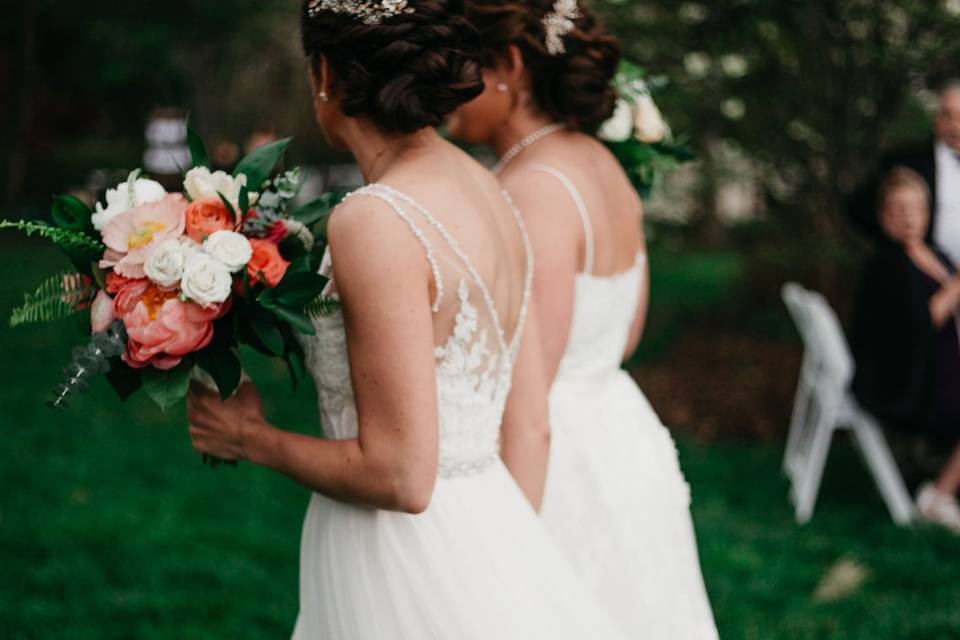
(368, 238)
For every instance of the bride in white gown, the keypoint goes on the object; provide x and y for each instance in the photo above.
(416, 529)
(615, 498)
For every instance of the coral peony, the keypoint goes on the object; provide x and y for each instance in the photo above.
(162, 329)
(132, 237)
(207, 216)
(266, 263)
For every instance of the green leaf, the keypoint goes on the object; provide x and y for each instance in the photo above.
(296, 290)
(229, 205)
(71, 213)
(198, 151)
(321, 306)
(124, 380)
(260, 163)
(59, 296)
(317, 211)
(266, 299)
(167, 388)
(298, 320)
(299, 265)
(269, 335)
(244, 202)
(224, 367)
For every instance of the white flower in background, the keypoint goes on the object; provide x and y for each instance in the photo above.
(619, 127)
(199, 183)
(205, 281)
(165, 266)
(734, 65)
(952, 7)
(230, 248)
(122, 199)
(733, 108)
(649, 125)
(697, 64)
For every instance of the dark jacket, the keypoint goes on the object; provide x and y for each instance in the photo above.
(864, 206)
(893, 338)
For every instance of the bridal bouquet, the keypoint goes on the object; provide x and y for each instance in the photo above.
(174, 283)
(637, 132)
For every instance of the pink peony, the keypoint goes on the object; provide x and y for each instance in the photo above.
(161, 327)
(132, 237)
(102, 313)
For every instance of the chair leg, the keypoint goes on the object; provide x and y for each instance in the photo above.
(883, 467)
(798, 419)
(807, 484)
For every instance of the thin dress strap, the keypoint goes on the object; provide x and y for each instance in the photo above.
(589, 249)
(371, 191)
(528, 278)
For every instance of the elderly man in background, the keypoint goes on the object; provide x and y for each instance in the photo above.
(938, 163)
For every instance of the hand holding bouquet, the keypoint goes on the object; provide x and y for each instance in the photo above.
(175, 282)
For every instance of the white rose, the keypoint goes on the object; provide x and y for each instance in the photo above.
(620, 125)
(205, 280)
(649, 124)
(165, 267)
(119, 200)
(230, 248)
(199, 183)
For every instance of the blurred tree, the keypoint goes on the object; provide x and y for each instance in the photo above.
(86, 75)
(809, 91)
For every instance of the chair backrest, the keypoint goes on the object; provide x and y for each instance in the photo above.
(795, 298)
(832, 350)
(823, 338)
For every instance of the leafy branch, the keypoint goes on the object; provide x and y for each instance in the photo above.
(63, 238)
(57, 297)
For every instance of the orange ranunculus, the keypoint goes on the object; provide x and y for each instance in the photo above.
(266, 264)
(207, 215)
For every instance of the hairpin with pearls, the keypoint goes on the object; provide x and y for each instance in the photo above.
(368, 11)
(559, 23)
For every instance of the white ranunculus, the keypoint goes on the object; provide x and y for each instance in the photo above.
(200, 183)
(232, 249)
(119, 200)
(649, 125)
(619, 126)
(165, 266)
(206, 281)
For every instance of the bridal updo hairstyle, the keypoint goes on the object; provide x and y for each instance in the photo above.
(574, 87)
(405, 73)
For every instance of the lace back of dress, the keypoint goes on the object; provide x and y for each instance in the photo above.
(474, 354)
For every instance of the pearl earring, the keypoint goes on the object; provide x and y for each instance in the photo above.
(502, 87)
(323, 96)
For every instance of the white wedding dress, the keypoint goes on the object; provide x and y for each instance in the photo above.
(616, 500)
(477, 564)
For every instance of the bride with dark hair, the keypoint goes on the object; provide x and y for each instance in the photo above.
(615, 498)
(416, 529)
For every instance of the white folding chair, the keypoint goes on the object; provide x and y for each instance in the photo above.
(825, 404)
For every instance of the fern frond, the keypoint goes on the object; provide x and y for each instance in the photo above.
(321, 306)
(64, 238)
(57, 297)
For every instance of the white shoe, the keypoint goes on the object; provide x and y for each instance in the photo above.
(939, 508)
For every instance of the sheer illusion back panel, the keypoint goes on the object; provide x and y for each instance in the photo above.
(494, 282)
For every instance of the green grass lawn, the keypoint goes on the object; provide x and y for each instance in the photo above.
(111, 528)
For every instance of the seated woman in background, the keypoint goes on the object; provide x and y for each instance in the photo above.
(905, 335)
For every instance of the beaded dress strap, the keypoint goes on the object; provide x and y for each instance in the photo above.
(372, 191)
(391, 193)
